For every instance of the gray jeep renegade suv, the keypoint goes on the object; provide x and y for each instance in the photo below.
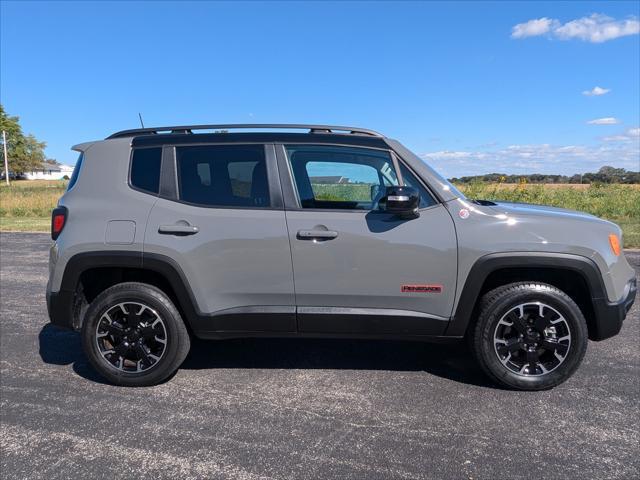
(223, 231)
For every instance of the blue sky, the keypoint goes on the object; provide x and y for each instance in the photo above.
(472, 87)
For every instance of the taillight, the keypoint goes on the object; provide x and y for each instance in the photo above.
(58, 219)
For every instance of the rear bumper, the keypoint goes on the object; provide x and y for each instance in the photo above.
(610, 316)
(59, 307)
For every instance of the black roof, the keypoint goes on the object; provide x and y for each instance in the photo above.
(148, 140)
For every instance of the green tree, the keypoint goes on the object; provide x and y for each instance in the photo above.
(25, 152)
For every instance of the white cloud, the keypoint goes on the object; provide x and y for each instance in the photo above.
(533, 28)
(538, 158)
(596, 91)
(629, 135)
(616, 138)
(604, 121)
(596, 28)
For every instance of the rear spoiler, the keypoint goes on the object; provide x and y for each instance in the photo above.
(82, 147)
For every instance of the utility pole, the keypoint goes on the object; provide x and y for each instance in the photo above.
(6, 162)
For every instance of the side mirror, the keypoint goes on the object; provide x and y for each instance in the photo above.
(402, 201)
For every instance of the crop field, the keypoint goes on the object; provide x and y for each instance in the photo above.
(617, 203)
(26, 205)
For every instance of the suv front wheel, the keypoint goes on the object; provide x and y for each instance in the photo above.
(133, 335)
(529, 336)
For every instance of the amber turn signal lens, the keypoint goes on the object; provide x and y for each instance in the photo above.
(615, 244)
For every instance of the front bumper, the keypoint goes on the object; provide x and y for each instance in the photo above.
(610, 316)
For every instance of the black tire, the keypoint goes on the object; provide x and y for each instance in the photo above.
(171, 330)
(508, 330)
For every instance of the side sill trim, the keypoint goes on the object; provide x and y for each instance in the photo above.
(374, 321)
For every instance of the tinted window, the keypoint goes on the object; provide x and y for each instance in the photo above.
(426, 200)
(145, 169)
(223, 175)
(76, 172)
(340, 177)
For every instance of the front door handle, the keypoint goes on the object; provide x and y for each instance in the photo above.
(317, 234)
(178, 229)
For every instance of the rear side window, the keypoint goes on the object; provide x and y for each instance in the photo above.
(223, 175)
(145, 169)
(76, 172)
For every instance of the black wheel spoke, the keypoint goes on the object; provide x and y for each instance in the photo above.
(132, 317)
(121, 350)
(143, 355)
(540, 323)
(554, 345)
(518, 323)
(532, 360)
(115, 330)
(512, 345)
(149, 333)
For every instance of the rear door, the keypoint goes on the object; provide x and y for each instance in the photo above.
(224, 225)
(356, 268)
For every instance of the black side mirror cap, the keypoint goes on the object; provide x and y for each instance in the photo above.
(401, 200)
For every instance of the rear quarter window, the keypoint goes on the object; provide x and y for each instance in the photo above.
(145, 169)
(76, 172)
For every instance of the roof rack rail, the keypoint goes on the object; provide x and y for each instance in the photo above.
(274, 126)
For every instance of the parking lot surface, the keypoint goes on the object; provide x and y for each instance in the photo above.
(309, 409)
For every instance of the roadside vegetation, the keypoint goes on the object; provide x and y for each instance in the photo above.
(25, 152)
(617, 203)
(26, 205)
(606, 174)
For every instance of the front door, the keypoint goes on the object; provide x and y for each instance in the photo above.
(357, 269)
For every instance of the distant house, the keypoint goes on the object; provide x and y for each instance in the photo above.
(50, 171)
(329, 179)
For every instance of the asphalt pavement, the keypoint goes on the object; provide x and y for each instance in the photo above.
(307, 409)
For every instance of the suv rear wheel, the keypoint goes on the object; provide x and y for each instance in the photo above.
(133, 335)
(529, 336)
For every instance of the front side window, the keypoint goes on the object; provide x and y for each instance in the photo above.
(348, 178)
(409, 179)
(340, 177)
(223, 175)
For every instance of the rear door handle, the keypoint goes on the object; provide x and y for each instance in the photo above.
(178, 229)
(317, 234)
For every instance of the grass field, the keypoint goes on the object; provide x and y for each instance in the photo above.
(26, 205)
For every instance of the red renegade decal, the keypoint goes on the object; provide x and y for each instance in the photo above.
(421, 288)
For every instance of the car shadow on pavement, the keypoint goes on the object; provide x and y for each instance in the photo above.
(451, 361)
(63, 347)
